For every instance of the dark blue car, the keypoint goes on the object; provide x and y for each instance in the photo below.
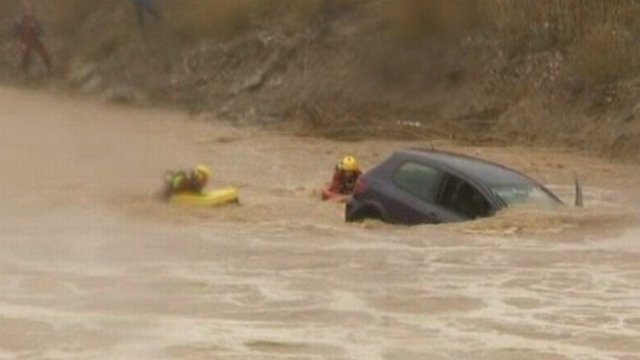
(415, 186)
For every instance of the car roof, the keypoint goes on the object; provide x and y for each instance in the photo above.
(487, 172)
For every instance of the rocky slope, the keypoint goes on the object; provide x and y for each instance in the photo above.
(347, 70)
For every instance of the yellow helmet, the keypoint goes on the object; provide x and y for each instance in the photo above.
(349, 163)
(202, 171)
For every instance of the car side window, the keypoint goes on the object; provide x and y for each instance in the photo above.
(460, 196)
(418, 180)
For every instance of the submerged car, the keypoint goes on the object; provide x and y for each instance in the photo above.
(416, 186)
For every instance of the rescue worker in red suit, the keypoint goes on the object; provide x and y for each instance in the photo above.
(28, 32)
(345, 176)
(192, 181)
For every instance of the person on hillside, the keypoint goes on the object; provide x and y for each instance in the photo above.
(345, 175)
(29, 32)
(192, 181)
(146, 6)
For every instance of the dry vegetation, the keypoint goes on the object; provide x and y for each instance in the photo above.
(480, 66)
(600, 35)
(203, 18)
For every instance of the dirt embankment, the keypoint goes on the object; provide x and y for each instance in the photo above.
(544, 73)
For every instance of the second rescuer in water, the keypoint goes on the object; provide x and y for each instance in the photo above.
(192, 181)
(345, 176)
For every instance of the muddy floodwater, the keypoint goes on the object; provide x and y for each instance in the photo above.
(92, 267)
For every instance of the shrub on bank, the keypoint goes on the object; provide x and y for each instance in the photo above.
(597, 37)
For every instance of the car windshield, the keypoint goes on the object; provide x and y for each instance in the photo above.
(523, 194)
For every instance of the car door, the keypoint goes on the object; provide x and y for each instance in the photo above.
(416, 187)
(460, 197)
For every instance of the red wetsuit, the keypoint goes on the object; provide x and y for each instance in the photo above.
(343, 183)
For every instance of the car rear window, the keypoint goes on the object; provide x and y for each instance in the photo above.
(418, 180)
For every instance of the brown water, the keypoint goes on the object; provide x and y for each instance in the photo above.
(92, 267)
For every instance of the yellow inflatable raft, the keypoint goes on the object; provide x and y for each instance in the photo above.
(207, 198)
